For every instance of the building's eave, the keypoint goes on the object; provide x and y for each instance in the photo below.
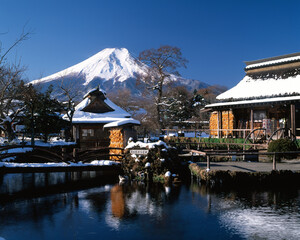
(272, 61)
(254, 101)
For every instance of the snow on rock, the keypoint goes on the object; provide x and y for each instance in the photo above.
(167, 190)
(146, 145)
(130, 140)
(147, 165)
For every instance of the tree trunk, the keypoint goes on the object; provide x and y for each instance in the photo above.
(158, 109)
(9, 132)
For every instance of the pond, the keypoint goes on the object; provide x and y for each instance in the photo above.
(87, 206)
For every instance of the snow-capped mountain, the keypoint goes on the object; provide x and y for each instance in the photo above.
(111, 69)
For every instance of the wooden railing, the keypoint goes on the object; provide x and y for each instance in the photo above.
(208, 155)
(61, 154)
(208, 145)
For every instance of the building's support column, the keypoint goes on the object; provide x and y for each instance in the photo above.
(219, 124)
(228, 123)
(293, 119)
(251, 122)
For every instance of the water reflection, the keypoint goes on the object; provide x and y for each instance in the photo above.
(81, 206)
(255, 214)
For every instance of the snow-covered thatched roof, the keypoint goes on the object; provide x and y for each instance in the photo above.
(115, 114)
(122, 122)
(267, 78)
(250, 88)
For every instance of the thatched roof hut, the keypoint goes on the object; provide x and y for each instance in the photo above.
(268, 96)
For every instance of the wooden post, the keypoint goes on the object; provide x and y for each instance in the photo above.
(293, 119)
(207, 162)
(74, 154)
(218, 123)
(274, 162)
(63, 154)
(252, 122)
(227, 123)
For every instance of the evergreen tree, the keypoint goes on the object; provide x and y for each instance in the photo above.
(42, 113)
(179, 105)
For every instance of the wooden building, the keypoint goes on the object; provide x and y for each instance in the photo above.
(267, 98)
(98, 122)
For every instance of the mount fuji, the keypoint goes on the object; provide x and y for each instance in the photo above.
(112, 69)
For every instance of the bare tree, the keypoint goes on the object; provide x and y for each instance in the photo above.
(69, 95)
(162, 62)
(10, 89)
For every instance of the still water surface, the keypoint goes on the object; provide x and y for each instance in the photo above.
(86, 206)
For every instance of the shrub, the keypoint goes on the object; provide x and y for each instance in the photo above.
(283, 145)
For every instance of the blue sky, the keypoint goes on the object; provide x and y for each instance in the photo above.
(214, 36)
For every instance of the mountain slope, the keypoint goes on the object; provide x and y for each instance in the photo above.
(112, 69)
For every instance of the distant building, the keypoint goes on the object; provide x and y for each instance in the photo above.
(267, 97)
(98, 122)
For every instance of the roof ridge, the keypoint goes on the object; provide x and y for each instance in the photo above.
(272, 58)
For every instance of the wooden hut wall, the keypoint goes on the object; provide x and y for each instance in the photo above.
(91, 135)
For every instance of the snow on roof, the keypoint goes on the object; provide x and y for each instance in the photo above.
(249, 88)
(122, 122)
(264, 100)
(272, 61)
(93, 90)
(87, 117)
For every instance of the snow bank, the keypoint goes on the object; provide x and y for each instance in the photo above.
(103, 163)
(52, 142)
(17, 150)
(80, 164)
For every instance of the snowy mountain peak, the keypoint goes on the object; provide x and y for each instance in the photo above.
(112, 69)
(109, 64)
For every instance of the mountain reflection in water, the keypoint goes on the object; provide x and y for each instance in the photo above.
(84, 206)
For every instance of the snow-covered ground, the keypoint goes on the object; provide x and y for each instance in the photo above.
(80, 164)
(189, 134)
(51, 143)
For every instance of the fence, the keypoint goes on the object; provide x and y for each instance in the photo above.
(209, 154)
(58, 154)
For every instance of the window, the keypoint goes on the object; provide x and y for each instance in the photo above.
(87, 132)
(259, 115)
